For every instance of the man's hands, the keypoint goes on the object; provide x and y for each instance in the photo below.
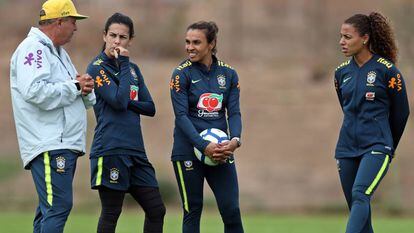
(86, 83)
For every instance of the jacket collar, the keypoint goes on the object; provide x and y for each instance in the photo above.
(108, 60)
(373, 58)
(203, 67)
(44, 39)
(104, 57)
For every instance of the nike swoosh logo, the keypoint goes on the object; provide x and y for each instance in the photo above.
(376, 153)
(195, 81)
(346, 79)
(116, 73)
(231, 161)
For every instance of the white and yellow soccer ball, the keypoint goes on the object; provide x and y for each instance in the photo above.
(212, 135)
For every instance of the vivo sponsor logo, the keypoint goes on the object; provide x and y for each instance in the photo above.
(38, 59)
(29, 58)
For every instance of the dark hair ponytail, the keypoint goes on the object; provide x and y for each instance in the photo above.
(120, 19)
(381, 37)
(210, 30)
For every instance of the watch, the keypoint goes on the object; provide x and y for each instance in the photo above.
(237, 140)
(77, 85)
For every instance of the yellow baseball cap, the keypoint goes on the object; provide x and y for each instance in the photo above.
(53, 9)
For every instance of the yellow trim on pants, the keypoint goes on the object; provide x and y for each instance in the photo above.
(180, 173)
(379, 175)
(99, 173)
(48, 178)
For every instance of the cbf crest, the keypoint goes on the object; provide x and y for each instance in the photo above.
(371, 78)
(114, 175)
(188, 165)
(221, 79)
(60, 164)
(133, 73)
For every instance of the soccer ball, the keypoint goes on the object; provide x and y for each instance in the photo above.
(212, 135)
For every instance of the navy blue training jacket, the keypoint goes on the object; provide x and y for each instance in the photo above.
(121, 97)
(201, 98)
(375, 106)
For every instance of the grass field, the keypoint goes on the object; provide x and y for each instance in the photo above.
(260, 223)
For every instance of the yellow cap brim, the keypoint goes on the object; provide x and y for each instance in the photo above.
(79, 17)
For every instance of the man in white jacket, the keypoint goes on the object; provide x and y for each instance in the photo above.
(49, 102)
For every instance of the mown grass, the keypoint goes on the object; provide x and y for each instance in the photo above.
(9, 168)
(16, 222)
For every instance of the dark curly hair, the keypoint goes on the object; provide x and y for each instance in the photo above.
(210, 29)
(381, 36)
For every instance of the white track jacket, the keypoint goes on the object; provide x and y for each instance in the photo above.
(49, 111)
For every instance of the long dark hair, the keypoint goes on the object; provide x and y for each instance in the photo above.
(381, 36)
(210, 29)
(120, 19)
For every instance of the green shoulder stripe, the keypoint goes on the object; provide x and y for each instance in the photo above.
(385, 62)
(221, 63)
(97, 62)
(343, 65)
(184, 65)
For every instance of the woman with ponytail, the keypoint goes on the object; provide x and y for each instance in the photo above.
(373, 98)
(118, 160)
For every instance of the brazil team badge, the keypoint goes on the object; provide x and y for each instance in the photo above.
(114, 175)
(188, 165)
(133, 73)
(60, 164)
(221, 79)
(371, 78)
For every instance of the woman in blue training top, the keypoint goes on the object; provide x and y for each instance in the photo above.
(119, 163)
(205, 94)
(373, 98)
